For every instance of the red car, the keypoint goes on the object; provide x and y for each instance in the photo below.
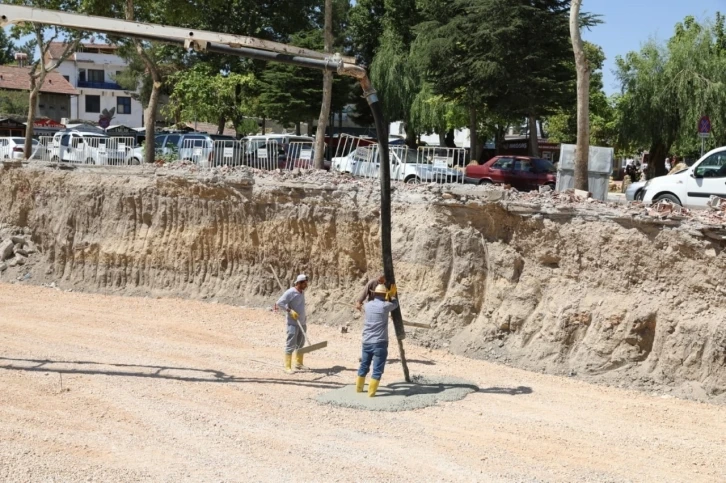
(521, 172)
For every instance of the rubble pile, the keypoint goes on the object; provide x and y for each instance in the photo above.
(15, 249)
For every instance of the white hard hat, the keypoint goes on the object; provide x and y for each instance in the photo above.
(301, 278)
(381, 289)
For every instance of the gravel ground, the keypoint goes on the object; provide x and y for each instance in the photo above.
(99, 388)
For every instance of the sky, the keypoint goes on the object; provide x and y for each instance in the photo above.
(630, 23)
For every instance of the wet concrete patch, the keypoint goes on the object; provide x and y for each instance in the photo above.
(401, 396)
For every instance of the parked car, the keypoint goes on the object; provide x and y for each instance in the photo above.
(691, 187)
(634, 191)
(88, 148)
(190, 147)
(522, 172)
(283, 151)
(405, 166)
(14, 148)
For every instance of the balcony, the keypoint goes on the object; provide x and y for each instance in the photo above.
(100, 85)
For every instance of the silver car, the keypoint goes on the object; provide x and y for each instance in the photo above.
(635, 192)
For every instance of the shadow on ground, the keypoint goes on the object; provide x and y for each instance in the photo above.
(186, 374)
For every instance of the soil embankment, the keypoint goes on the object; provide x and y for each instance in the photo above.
(601, 297)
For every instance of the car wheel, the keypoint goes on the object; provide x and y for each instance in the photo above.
(134, 162)
(639, 195)
(413, 180)
(486, 181)
(551, 185)
(667, 197)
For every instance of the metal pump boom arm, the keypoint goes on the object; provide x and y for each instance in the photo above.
(12, 14)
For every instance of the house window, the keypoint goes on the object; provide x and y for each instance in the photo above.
(93, 104)
(123, 105)
(82, 75)
(95, 75)
(67, 78)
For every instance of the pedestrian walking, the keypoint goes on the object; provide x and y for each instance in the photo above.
(370, 287)
(293, 301)
(375, 337)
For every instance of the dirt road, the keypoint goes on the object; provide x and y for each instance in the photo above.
(101, 388)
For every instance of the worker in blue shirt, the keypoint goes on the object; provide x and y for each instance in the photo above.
(375, 337)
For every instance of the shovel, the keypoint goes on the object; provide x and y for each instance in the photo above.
(308, 347)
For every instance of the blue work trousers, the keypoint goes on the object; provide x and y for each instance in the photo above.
(377, 354)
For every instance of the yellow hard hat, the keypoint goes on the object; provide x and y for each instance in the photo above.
(381, 289)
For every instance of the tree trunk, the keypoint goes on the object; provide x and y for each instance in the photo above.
(450, 139)
(582, 152)
(410, 136)
(442, 138)
(32, 106)
(221, 123)
(533, 146)
(150, 114)
(656, 159)
(327, 90)
(473, 139)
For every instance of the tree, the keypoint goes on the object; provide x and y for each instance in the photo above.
(668, 87)
(327, 90)
(510, 57)
(292, 94)
(393, 71)
(365, 31)
(14, 102)
(582, 66)
(7, 48)
(200, 93)
(39, 69)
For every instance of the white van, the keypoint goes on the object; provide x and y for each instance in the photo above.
(694, 186)
(88, 148)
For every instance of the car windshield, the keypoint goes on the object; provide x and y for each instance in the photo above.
(544, 166)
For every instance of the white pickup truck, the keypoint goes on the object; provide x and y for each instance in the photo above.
(406, 166)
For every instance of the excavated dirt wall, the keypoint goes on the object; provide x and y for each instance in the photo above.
(610, 300)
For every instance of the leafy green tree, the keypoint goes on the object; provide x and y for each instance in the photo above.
(292, 94)
(43, 36)
(14, 102)
(202, 94)
(393, 72)
(7, 48)
(365, 30)
(668, 87)
(511, 57)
